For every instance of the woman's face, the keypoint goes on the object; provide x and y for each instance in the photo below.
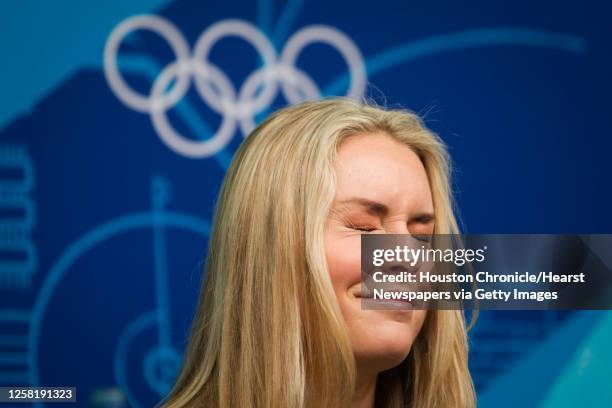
(382, 187)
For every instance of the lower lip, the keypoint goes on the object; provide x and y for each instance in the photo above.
(385, 304)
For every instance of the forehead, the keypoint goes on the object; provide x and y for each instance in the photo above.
(380, 168)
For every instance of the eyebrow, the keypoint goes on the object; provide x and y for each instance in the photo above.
(381, 210)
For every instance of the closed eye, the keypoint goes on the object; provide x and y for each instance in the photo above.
(362, 228)
(423, 237)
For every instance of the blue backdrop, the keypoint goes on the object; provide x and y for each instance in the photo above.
(106, 211)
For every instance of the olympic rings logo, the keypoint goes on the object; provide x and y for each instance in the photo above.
(237, 108)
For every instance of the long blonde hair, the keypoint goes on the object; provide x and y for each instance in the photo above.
(255, 340)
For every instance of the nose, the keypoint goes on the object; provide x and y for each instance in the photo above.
(396, 268)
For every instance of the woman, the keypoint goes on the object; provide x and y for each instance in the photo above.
(279, 322)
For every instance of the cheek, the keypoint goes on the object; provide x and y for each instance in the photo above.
(343, 260)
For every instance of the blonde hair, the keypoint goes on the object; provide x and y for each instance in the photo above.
(254, 341)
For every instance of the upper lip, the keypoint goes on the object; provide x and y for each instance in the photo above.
(365, 293)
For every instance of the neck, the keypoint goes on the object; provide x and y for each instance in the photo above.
(365, 391)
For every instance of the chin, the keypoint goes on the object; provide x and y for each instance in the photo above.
(386, 346)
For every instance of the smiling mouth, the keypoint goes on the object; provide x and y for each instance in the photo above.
(394, 302)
